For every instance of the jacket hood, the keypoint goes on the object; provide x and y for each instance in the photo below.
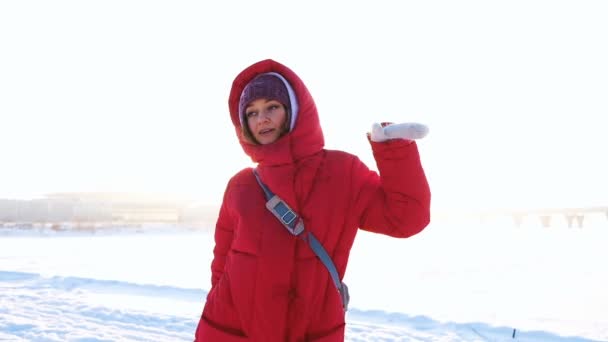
(304, 139)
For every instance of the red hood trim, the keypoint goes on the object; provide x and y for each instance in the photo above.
(305, 139)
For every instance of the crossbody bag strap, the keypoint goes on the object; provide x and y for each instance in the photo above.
(295, 225)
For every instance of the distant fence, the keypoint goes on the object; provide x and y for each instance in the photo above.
(573, 216)
(546, 217)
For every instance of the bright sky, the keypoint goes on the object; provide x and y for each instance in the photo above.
(132, 95)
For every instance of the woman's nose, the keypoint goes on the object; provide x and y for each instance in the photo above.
(263, 116)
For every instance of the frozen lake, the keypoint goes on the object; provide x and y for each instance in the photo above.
(450, 283)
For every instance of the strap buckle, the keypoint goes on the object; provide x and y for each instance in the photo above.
(286, 215)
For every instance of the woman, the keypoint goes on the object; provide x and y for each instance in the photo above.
(267, 284)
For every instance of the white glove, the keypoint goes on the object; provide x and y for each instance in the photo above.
(408, 130)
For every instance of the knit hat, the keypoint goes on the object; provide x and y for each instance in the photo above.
(266, 86)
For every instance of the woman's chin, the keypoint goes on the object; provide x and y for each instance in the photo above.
(266, 139)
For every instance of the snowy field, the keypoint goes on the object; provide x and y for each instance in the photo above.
(456, 282)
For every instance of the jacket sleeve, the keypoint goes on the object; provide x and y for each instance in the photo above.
(224, 233)
(395, 201)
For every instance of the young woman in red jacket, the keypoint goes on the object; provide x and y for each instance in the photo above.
(270, 281)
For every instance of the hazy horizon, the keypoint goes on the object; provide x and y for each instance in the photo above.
(439, 213)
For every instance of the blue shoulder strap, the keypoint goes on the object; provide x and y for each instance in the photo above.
(295, 225)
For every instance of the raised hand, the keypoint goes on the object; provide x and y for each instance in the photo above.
(407, 130)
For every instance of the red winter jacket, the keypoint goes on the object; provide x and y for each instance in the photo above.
(268, 285)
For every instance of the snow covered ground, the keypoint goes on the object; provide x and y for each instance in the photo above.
(453, 282)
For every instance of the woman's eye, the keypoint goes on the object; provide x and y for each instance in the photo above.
(273, 107)
(250, 114)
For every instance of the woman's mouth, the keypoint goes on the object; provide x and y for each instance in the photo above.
(266, 131)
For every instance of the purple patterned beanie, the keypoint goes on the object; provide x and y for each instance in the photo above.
(263, 86)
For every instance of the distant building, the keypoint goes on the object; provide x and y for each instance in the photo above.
(9, 210)
(104, 207)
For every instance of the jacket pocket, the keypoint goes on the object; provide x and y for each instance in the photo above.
(220, 312)
(209, 332)
(334, 335)
(241, 277)
(247, 238)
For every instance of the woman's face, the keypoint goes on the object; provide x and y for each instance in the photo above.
(266, 120)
